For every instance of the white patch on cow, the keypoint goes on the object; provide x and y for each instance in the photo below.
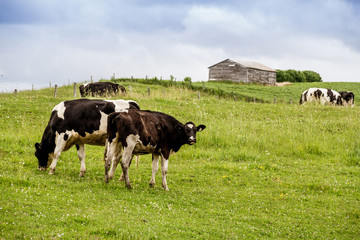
(103, 122)
(60, 108)
(132, 140)
(120, 105)
(190, 125)
(85, 84)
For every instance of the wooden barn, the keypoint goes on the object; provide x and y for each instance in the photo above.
(242, 71)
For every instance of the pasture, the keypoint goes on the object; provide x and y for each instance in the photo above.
(258, 171)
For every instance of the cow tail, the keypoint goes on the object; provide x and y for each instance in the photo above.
(111, 126)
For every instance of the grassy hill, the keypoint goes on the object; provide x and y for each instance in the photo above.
(258, 171)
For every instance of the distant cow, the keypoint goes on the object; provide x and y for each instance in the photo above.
(76, 122)
(348, 98)
(143, 132)
(321, 95)
(101, 89)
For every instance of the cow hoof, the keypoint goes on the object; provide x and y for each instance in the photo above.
(106, 179)
(51, 172)
(81, 174)
(128, 186)
(152, 185)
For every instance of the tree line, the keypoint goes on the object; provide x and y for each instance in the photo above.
(297, 76)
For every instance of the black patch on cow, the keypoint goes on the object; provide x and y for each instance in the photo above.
(77, 147)
(317, 94)
(66, 136)
(332, 97)
(303, 97)
(134, 105)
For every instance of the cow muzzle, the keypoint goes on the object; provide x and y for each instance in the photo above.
(192, 141)
(42, 168)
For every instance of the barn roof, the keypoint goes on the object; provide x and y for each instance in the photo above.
(249, 64)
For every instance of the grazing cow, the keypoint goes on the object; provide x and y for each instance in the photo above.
(101, 89)
(348, 98)
(321, 95)
(139, 132)
(76, 122)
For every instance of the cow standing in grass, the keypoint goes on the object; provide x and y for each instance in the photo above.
(348, 98)
(76, 122)
(101, 89)
(139, 132)
(322, 96)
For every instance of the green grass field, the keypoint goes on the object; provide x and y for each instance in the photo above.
(258, 171)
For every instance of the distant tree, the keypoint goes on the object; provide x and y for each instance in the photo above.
(292, 75)
(187, 80)
(312, 76)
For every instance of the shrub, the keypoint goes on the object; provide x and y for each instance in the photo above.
(291, 75)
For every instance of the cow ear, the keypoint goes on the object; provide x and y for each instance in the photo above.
(200, 128)
(37, 146)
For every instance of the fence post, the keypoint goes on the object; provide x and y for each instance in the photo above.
(50, 84)
(129, 88)
(198, 94)
(148, 92)
(32, 88)
(55, 93)
(15, 92)
(75, 89)
(274, 99)
(291, 101)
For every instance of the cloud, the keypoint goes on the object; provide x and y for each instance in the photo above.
(66, 40)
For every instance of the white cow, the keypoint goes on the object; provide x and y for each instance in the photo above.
(322, 96)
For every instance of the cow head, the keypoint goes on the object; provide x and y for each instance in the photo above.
(189, 130)
(42, 156)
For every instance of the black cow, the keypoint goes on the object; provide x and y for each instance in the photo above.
(348, 98)
(76, 122)
(139, 132)
(101, 89)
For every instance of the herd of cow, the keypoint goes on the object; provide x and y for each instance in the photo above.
(125, 130)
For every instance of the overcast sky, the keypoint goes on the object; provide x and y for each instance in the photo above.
(70, 40)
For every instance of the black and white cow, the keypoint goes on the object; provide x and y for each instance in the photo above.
(322, 96)
(76, 122)
(101, 89)
(139, 132)
(348, 98)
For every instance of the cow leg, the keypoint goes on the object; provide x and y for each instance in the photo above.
(125, 163)
(137, 157)
(112, 156)
(60, 145)
(164, 169)
(81, 155)
(115, 160)
(155, 167)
